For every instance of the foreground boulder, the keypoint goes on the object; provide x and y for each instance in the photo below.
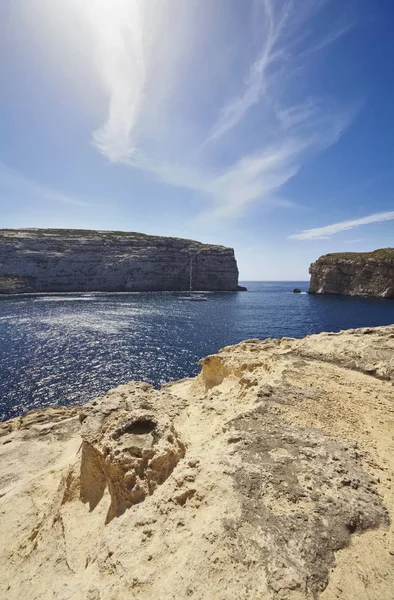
(354, 274)
(270, 476)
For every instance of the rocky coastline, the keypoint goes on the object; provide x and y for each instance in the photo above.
(354, 274)
(270, 481)
(61, 260)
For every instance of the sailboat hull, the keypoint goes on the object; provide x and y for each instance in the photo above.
(193, 299)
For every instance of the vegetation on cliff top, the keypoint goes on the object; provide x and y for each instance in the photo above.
(380, 254)
(108, 236)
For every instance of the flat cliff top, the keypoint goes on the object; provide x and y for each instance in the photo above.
(383, 254)
(270, 475)
(7, 235)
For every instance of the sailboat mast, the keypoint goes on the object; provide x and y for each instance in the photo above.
(191, 267)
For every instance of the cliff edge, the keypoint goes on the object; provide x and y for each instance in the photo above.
(71, 260)
(270, 475)
(354, 274)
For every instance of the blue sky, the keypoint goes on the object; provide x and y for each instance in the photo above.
(265, 125)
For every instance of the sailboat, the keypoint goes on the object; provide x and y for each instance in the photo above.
(190, 297)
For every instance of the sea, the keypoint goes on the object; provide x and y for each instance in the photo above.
(70, 348)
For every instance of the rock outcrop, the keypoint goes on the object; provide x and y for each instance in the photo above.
(67, 260)
(270, 476)
(354, 274)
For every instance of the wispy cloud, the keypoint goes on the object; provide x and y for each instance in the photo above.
(120, 60)
(257, 80)
(287, 42)
(179, 109)
(321, 233)
(14, 184)
(256, 176)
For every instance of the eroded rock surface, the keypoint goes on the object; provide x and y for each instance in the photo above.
(270, 476)
(354, 274)
(128, 447)
(72, 260)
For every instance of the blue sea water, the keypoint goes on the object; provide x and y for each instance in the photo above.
(71, 348)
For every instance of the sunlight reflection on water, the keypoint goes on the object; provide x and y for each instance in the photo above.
(61, 349)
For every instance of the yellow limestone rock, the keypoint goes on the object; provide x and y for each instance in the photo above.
(269, 476)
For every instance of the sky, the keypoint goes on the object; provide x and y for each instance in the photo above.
(264, 125)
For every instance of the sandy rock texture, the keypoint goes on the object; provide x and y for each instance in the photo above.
(270, 475)
(354, 274)
(71, 260)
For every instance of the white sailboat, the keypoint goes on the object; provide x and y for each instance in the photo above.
(191, 297)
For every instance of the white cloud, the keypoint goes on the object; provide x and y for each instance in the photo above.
(177, 107)
(287, 42)
(320, 233)
(257, 176)
(13, 183)
(120, 61)
(257, 80)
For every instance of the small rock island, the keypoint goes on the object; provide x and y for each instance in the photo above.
(74, 260)
(354, 274)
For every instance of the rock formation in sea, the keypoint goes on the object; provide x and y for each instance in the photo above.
(270, 475)
(354, 274)
(68, 260)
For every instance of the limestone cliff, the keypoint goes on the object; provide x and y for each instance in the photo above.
(354, 274)
(64, 260)
(269, 476)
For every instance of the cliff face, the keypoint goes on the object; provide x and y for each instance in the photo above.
(354, 274)
(256, 479)
(49, 260)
